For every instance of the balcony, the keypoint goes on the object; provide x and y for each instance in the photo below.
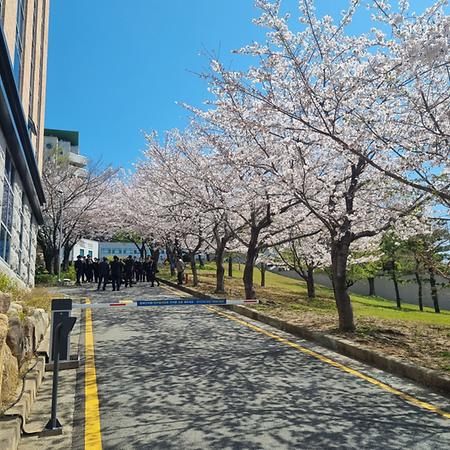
(77, 160)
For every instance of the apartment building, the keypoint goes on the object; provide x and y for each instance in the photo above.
(23, 66)
(64, 143)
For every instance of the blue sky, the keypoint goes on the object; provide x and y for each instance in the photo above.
(116, 68)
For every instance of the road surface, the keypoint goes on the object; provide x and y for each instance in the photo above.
(193, 378)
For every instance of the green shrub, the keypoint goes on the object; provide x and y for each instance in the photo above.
(46, 278)
(10, 286)
(69, 273)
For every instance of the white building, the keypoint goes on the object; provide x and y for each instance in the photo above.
(65, 143)
(123, 250)
(85, 247)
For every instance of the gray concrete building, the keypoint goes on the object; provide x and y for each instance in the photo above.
(23, 66)
(65, 143)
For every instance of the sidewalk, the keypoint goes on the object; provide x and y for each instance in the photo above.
(69, 396)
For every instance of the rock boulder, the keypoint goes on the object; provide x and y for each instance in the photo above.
(30, 343)
(15, 338)
(5, 302)
(41, 322)
(10, 374)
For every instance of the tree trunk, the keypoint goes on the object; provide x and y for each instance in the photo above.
(252, 253)
(56, 262)
(220, 269)
(371, 281)
(419, 293)
(194, 270)
(310, 284)
(171, 258)
(65, 264)
(48, 261)
(434, 292)
(230, 267)
(263, 274)
(397, 291)
(339, 257)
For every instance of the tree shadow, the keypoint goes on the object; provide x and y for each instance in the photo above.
(184, 378)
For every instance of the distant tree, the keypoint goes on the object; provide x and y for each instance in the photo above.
(73, 197)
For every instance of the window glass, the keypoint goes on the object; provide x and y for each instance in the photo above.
(7, 208)
(82, 251)
(90, 252)
(18, 52)
(22, 220)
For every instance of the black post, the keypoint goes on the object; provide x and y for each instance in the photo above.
(53, 424)
(61, 331)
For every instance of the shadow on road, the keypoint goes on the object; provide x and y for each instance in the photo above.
(183, 378)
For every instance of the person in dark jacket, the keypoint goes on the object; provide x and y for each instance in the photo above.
(146, 267)
(79, 266)
(103, 273)
(95, 265)
(153, 268)
(138, 270)
(89, 269)
(116, 273)
(129, 266)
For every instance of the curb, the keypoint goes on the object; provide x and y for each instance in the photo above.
(426, 377)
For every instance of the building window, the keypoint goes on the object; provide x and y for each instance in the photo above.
(20, 33)
(22, 222)
(41, 75)
(30, 248)
(90, 253)
(7, 209)
(81, 251)
(33, 63)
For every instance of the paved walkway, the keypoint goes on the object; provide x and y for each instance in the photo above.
(190, 378)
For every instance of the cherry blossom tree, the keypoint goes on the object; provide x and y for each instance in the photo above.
(73, 199)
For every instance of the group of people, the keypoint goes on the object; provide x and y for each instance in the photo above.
(119, 271)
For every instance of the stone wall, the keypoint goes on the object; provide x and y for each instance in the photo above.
(21, 331)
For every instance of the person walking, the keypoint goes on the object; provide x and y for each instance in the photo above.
(180, 270)
(79, 270)
(116, 273)
(103, 273)
(129, 266)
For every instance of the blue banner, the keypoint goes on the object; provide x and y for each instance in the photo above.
(182, 301)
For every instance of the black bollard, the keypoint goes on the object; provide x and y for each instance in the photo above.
(61, 331)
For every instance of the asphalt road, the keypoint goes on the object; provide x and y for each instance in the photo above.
(188, 378)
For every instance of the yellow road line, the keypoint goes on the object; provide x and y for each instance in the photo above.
(92, 433)
(356, 373)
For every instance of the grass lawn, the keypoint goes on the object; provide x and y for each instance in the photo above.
(420, 337)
